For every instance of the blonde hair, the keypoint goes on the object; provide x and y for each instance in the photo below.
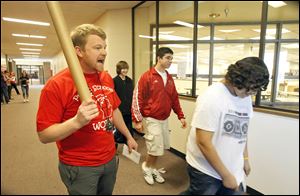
(80, 33)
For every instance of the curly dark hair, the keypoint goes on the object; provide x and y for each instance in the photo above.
(250, 73)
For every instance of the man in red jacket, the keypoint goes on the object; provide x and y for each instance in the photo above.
(153, 98)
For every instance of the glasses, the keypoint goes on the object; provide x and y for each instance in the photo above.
(251, 92)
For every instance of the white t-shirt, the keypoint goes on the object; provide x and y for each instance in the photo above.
(163, 75)
(218, 111)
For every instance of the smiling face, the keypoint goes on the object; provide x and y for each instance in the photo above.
(124, 72)
(93, 55)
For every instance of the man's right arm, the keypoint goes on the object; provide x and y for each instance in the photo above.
(204, 142)
(86, 112)
(137, 104)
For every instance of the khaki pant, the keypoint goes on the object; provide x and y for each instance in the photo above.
(157, 136)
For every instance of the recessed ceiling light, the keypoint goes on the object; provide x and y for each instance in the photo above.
(276, 4)
(186, 24)
(30, 53)
(26, 21)
(30, 36)
(291, 46)
(230, 30)
(146, 36)
(29, 44)
(30, 49)
(273, 31)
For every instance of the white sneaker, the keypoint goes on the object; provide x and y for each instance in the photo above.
(156, 175)
(147, 174)
(24, 100)
(27, 100)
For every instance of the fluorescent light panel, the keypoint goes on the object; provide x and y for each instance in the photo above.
(29, 36)
(29, 44)
(230, 30)
(273, 31)
(291, 46)
(276, 4)
(267, 37)
(166, 32)
(30, 49)
(186, 24)
(26, 21)
(147, 36)
(30, 53)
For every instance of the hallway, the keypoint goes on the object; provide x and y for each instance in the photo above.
(30, 167)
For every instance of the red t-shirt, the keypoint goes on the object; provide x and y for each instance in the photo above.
(91, 145)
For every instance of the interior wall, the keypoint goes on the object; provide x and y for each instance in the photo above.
(273, 150)
(3, 62)
(117, 26)
(59, 62)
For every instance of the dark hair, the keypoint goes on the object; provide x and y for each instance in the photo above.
(121, 65)
(162, 51)
(249, 73)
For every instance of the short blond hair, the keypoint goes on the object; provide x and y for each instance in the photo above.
(81, 32)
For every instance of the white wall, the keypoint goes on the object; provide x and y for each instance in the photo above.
(59, 62)
(3, 62)
(274, 154)
(117, 26)
(273, 150)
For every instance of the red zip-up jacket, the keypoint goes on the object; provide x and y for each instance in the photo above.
(152, 99)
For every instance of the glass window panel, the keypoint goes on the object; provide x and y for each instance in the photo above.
(235, 32)
(269, 61)
(182, 67)
(288, 77)
(286, 95)
(203, 32)
(202, 68)
(175, 33)
(226, 54)
(179, 16)
(229, 11)
(289, 11)
(144, 18)
(290, 31)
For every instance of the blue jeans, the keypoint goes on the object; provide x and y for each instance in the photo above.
(4, 92)
(203, 184)
(25, 91)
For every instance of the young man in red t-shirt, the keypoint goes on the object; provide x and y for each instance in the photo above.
(83, 130)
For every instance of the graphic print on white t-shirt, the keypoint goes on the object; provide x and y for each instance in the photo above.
(235, 124)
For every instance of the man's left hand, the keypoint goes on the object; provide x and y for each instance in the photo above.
(183, 123)
(131, 143)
